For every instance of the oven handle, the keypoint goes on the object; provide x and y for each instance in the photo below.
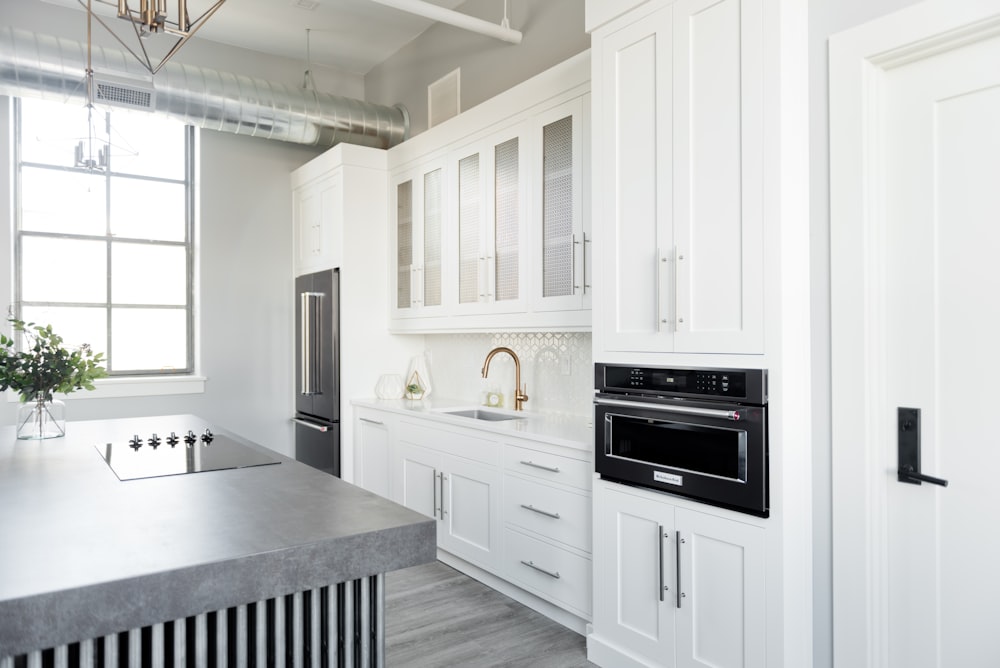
(733, 416)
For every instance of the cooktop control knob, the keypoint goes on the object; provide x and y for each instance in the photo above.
(135, 443)
(207, 436)
(172, 439)
(154, 441)
(190, 438)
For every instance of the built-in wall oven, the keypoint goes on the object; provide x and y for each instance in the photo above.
(696, 432)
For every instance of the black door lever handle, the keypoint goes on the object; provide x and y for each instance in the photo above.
(909, 475)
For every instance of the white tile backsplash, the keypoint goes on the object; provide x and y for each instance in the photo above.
(557, 367)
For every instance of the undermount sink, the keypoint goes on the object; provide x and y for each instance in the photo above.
(478, 414)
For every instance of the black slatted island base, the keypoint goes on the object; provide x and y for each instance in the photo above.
(271, 563)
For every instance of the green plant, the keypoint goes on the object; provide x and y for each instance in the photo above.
(44, 366)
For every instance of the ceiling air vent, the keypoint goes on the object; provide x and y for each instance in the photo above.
(444, 98)
(134, 94)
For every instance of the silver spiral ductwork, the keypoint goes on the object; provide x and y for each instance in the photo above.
(33, 65)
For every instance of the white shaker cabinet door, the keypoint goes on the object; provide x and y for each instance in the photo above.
(720, 620)
(633, 185)
(717, 300)
(634, 594)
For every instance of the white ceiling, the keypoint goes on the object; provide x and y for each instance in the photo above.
(350, 35)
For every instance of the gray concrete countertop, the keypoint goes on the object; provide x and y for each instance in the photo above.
(83, 554)
(557, 429)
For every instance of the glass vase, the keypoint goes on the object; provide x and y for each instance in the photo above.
(40, 418)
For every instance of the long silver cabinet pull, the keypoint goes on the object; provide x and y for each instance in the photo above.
(553, 469)
(437, 508)
(572, 264)
(586, 241)
(311, 425)
(659, 316)
(531, 564)
(370, 421)
(443, 511)
(659, 545)
(679, 540)
(540, 512)
(734, 416)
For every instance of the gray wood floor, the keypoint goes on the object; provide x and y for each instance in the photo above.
(437, 617)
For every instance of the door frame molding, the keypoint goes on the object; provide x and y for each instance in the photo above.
(862, 420)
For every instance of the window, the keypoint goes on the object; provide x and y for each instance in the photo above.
(103, 243)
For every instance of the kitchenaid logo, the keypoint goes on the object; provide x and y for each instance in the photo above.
(669, 478)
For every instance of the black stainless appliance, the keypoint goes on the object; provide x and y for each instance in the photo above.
(317, 370)
(695, 432)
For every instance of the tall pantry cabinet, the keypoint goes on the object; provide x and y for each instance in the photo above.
(701, 251)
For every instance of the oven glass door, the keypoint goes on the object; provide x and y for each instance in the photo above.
(714, 451)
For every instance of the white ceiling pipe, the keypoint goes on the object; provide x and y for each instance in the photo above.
(457, 19)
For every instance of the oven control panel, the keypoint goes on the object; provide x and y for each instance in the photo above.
(748, 385)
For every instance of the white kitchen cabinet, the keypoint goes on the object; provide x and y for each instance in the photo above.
(561, 237)
(318, 221)
(674, 586)
(515, 228)
(490, 216)
(461, 494)
(417, 241)
(678, 165)
(372, 440)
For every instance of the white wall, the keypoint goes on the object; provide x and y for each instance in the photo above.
(553, 31)
(826, 17)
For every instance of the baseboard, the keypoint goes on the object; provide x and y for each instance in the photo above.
(603, 654)
(541, 606)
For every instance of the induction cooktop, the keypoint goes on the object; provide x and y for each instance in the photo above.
(154, 456)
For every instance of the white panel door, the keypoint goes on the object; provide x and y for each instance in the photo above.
(634, 176)
(416, 480)
(924, 142)
(634, 566)
(717, 303)
(721, 616)
(471, 511)
(942, 204)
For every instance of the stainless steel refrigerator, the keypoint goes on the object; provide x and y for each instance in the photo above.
(317, 370)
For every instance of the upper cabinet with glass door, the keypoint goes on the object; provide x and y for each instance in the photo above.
(562, 262)
(417, 197)
(512, 236)
(490, 209)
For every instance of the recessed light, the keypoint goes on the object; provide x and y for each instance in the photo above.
(308, 5)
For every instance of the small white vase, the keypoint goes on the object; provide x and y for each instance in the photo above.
(389, 386)
(38, 418)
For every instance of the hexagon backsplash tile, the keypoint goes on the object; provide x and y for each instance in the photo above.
(556, 366)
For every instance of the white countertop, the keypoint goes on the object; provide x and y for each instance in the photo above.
(571, 431)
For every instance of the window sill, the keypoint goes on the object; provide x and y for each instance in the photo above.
(137, 386)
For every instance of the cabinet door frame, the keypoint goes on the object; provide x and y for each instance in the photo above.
(317, 212)
(416, 176)
(651, 173)
(705, 255)
(485, 148)
(578, 110)
(450, 536)
(702, 587)
(615, 581)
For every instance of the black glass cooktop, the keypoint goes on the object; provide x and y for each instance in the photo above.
(152, 455)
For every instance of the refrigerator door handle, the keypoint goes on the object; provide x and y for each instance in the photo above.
(310, 327)
(311, 425)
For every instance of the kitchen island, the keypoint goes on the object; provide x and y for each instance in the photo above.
(270, 563)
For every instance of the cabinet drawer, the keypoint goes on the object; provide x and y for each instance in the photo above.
(547, 466)
(548, 571)
(558, 514)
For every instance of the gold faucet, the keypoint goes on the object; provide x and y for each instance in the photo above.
(520, 395)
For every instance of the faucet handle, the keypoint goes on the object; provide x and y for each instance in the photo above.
(521, 395)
